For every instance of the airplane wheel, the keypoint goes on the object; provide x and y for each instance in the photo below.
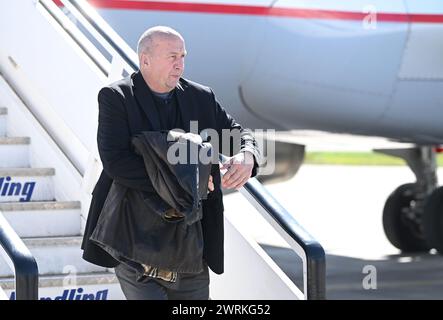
(402, 231)
(433, 220)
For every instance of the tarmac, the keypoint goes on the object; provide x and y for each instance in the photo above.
(341, 207)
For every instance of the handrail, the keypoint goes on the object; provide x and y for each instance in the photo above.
(25, 266)
(105, 31)
(313, 255)
(304, 245)
(91, 51)
(122, 56)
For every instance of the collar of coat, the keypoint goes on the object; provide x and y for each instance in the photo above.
(144, 96)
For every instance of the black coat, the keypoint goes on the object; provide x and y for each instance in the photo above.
(126, 108)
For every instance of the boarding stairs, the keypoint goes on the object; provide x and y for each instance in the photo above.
(48, 226)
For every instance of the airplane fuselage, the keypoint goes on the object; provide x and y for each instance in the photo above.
(342, 66)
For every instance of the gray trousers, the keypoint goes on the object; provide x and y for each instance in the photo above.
(189, 286)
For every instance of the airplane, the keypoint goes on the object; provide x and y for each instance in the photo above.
(337, 66)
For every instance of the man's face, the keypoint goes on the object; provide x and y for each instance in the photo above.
(166, 63)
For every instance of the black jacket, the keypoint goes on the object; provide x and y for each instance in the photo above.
(126, 108)
(134, 225)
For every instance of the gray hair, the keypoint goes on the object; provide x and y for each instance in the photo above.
(145, 43)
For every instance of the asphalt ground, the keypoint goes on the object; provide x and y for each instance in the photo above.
(341, 207)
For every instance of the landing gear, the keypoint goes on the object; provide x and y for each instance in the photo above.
(413, 213)
(401, 224)
(433, 219)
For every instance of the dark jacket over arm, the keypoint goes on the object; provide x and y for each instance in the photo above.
(135, 228)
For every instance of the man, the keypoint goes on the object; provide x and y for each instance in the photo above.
(157, 98)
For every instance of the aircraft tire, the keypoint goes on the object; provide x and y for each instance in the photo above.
(433, 220)
(402, 232)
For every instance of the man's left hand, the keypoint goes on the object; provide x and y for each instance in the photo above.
(239, 170)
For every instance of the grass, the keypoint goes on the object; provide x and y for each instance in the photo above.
(358, 158)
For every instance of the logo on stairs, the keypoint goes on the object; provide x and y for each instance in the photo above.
(8, 188)
(74, 294)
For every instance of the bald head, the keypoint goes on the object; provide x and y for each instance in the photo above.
(161, 52)
(148, 40)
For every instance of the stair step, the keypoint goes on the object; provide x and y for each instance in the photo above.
(26, 184)
(43, 219)
(15, 140)
(3, 114)
(55, 255)
(39, 242)
(23, 172)
(43, 205)
(14, 151)
(87, 286)
(70, 279)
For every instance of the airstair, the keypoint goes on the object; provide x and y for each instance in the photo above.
(47, 221)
